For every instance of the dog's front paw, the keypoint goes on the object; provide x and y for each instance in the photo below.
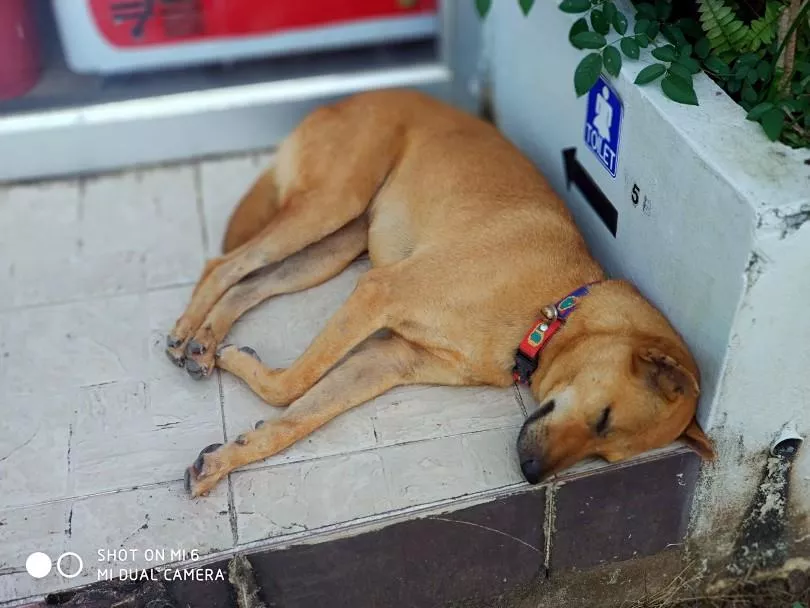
(175, 350)
(205, 472)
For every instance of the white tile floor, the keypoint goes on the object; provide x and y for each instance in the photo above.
(97, 427)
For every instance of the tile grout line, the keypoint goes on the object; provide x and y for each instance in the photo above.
(549, 521)
(231, 502)
(573, 476)
(198, 192)
(167, 482)
(95, 298)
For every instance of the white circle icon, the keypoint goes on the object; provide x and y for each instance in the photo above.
(38, 565)
(78, 569)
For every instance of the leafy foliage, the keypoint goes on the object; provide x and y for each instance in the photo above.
(725, 31)
(737, 44)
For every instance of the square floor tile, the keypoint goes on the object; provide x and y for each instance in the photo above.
(438, 469)
(127, 434)
(43, 529)
(153, 213)
(413, 413)
(111, 235)
(35, 437)
(148, 524)
(78, 344)
(306, 495)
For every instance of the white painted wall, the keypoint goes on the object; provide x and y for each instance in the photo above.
(720, 248)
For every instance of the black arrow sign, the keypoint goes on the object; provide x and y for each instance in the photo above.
(575, 172)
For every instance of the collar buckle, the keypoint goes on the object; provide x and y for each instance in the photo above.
(527, 357)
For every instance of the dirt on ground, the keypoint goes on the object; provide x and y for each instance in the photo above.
(788, 587)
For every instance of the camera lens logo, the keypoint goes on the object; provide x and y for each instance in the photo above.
(39, 565)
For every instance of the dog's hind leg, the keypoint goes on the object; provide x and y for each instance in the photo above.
(311, 266)
(254, 211)
(376, 367)
(367, 310)
(328, 172)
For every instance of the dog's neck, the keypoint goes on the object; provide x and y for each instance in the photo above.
(612, 307)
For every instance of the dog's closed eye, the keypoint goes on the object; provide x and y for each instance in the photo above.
(603, 422)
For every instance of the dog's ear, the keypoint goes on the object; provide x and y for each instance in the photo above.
(696, 439)
(664, 373)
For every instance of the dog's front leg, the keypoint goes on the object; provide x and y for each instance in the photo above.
(377, 366)
(368, 309)
(300, 222)
(307, 268)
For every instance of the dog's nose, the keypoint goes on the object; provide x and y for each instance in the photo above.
(532, 470)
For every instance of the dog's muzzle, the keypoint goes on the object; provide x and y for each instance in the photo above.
(532, 470)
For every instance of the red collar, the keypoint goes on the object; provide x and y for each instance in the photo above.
(527, 357)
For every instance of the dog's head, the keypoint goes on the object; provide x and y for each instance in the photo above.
(611, 397)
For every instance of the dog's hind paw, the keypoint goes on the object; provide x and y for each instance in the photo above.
(204, 474)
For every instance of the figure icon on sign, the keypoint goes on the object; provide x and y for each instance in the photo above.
(603, 119)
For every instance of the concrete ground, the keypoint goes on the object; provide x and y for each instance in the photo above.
(98, 427)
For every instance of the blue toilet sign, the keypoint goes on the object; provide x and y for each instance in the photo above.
(603, 121)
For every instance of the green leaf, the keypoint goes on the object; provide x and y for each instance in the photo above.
(650, 73)
(643, 40)
(759, 110)
(588, 40)
(725, 30)
(752, 77)
(526, 5)
(483, 6)
(587, 73)
(733, 85)
(703, 48)
(646, 10)
(619, 22)
(665, 53)
(749, 94)
(575, 6)
(580, 25)
(690, 64)
(763, 30)
(629, 48)
(679, 90)
(653, 29)
(764, 70)
(714, 64)
(663, 9)
(599, 22)
(680, 71)
(641, 26)
(673, 34)
(773, 121)
(690, 27)
(613, 60)
(610, 10)
(741, 70)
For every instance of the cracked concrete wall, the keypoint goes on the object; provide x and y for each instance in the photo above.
(766, 384)
(714, 228)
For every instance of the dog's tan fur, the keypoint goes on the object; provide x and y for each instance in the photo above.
(468, 242)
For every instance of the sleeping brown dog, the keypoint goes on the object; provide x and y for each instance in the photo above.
(473, 256)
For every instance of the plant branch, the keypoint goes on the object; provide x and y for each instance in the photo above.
(786, 37)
